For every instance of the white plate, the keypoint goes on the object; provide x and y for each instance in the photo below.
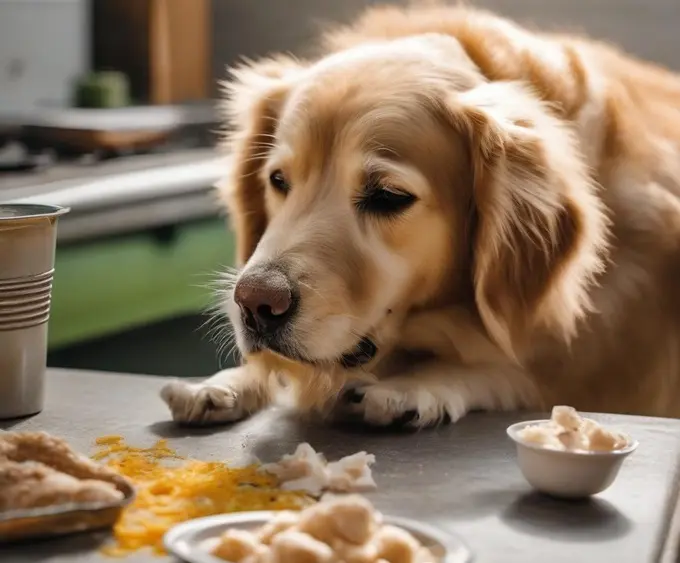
(190, 541)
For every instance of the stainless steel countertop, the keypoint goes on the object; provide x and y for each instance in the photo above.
(462, 477)
(124, 195)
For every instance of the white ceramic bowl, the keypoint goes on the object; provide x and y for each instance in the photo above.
(191, 541)
(567, 474)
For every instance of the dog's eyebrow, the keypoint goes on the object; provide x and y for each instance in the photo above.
(400, 173)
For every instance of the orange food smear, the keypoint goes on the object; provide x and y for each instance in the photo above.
(169, 493)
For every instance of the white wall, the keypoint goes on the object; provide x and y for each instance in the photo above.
(44, 46)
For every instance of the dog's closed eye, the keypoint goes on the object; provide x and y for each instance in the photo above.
(383, 200)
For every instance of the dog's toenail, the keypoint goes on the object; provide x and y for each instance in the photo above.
(446, 419)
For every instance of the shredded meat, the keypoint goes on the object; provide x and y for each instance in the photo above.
(308, 470)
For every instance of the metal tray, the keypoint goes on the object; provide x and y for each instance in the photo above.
(62, 519)
(191, 541)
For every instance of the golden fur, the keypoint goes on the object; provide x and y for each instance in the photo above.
(540, 263)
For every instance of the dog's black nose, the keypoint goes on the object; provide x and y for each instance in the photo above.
(266, 299)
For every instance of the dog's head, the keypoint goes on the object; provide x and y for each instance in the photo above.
(393, 177)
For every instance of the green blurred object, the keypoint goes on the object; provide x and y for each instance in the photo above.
(104, 90)
(111, 285)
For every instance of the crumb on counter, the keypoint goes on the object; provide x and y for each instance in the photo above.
(568, 431)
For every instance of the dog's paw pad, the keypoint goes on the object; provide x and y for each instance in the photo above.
(200, 403)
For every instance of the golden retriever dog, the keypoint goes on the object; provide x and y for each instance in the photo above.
(447, 212)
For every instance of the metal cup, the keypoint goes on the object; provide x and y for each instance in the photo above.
(28, 238)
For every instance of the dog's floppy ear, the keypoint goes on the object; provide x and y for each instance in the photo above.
(254, 97)
(540, 229)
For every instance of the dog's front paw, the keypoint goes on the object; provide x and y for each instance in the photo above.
(200, 403)
(402, 404)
